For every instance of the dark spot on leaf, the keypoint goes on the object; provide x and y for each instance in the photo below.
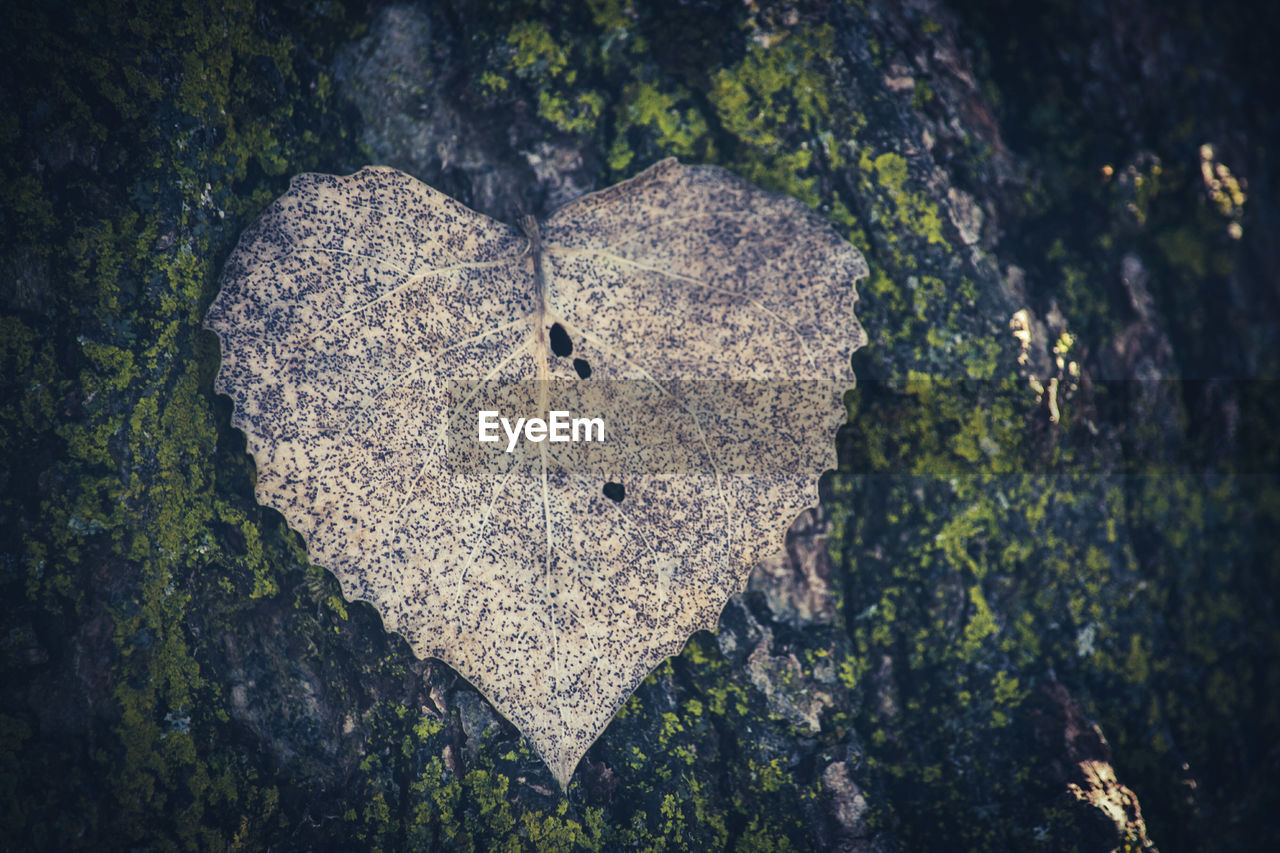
(584, 369)
(560, 343)
(615, 492)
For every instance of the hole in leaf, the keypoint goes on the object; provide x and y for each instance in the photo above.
(584, 369)
(615, 492)
(560, 343)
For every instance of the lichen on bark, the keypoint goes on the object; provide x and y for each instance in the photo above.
(1080, 534)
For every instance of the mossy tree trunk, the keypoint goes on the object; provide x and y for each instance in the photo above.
(1040, 587)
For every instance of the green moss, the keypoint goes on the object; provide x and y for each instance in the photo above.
(576, 116)
(770, 777)
(908, 211)
(1185, 249)
(773, 96)
(132, 456)
(774, 86)
(534, 52)
(675, 126)
(921, 94)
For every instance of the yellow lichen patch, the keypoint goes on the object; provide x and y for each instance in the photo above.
(1224, 189)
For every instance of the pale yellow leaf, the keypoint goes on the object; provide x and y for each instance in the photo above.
(366, 320)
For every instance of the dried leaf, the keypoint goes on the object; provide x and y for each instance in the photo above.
(365, 320)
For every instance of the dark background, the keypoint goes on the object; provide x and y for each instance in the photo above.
(1004, 630)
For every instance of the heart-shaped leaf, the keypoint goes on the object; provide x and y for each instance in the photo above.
(366, 322)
